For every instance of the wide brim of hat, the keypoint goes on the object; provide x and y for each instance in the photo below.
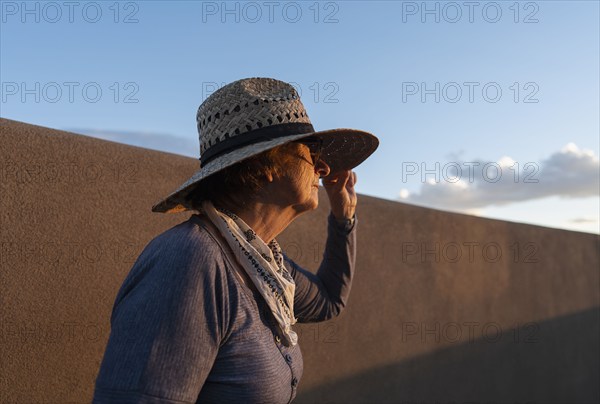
(343, 149)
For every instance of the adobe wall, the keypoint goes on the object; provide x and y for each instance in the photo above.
(444, 307)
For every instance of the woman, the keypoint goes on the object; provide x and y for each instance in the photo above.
(206, 313)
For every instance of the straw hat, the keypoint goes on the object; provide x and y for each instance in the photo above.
(250, 116)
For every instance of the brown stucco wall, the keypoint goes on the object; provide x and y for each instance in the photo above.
(514, 317)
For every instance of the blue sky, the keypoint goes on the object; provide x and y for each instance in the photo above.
(510, 86)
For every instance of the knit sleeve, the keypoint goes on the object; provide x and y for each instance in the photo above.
(169, 319)
(323, 295)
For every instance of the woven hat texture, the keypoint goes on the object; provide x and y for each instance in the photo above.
(250, 116)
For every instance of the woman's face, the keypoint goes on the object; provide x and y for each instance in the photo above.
(299, 185)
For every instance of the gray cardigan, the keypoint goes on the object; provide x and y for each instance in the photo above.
(185, 329)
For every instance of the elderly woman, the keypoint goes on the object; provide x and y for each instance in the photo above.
(206, 312)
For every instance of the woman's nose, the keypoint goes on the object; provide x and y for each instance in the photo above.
(322, 168)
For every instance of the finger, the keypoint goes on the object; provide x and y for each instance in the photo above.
(339, 177)
(329, 183)
(345, 177)
(352, 179)
(330, 179)
(340, 182)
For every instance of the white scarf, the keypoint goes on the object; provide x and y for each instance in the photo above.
(264, 265)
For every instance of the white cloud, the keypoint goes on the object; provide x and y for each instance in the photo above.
(155, 141)
(584, 220)
(467, 186)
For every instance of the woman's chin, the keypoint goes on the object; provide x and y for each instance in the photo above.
(308, 206)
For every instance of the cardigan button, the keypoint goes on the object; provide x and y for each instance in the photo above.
(294, 382)
(277, 339)
(288, 358)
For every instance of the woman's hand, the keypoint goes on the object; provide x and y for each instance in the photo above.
(341, 193)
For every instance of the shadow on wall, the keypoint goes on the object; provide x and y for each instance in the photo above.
(478, 371)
